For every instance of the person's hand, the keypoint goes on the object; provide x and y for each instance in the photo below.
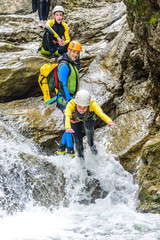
(61, 42)
(70, 130)
(111, 124)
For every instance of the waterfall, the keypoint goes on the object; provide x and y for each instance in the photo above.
(52, 197)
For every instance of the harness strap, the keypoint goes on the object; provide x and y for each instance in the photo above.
(73, 121)
(56, 77)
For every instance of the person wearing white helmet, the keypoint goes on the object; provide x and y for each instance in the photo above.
(56, 37)
(82, 111)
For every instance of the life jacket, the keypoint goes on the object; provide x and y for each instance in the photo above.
(73, 78)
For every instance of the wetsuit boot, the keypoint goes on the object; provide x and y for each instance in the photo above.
(53, 56)
(61, 149)
(66, 142)
(70, 151)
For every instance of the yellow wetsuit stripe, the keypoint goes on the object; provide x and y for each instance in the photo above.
(66, 33)
(50, 23)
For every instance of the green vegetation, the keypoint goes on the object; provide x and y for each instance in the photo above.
(134, 1)
(154, 19)
(145, 8)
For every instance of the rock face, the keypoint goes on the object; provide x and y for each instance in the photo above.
(143, 18)
(20, 72)
(143, 64)
(149, 175)
(123, 77)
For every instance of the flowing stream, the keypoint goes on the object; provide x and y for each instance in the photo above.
(112, 217)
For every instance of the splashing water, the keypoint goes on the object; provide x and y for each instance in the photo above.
(112, 216)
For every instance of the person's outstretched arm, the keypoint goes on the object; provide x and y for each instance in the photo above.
(99, 112)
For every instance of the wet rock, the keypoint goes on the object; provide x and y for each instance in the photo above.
(149, 176)
(36, 120)
(18, 29)
(143, 18)
(19, 74)
(12, 6)
(127, 138)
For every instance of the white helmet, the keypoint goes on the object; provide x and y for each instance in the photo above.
(58, 8)
(83, 98)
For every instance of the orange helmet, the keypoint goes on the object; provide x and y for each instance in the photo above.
(74, 45)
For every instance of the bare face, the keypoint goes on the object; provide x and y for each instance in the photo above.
(58, 16)
(73, 54)
(82, 109)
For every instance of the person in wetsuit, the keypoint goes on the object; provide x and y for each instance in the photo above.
(68, 87)
(80, 112)
(43, 7)
(56, 37)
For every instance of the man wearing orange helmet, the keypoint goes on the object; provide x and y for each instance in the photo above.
(68, 87)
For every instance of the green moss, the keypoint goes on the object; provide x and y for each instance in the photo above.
(154, 19)
(144, 8)
(134, 1)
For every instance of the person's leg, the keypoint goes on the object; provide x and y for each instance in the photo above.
(47, 8)
(89, 130)
(40, 9)
(66, 142)
(62, 146)
(61, 49)
(78, 138)
(34, 5)
(44, 10)
(48, 43)
(69, 144)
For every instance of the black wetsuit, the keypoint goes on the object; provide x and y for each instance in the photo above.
(43, 7)
(79, 133)
(54, 30)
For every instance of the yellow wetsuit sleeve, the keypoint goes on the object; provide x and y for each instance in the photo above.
(94, 107)
(66, 33)
(50, 23)
(70, 108)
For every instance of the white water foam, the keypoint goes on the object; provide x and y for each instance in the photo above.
(111, 218)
